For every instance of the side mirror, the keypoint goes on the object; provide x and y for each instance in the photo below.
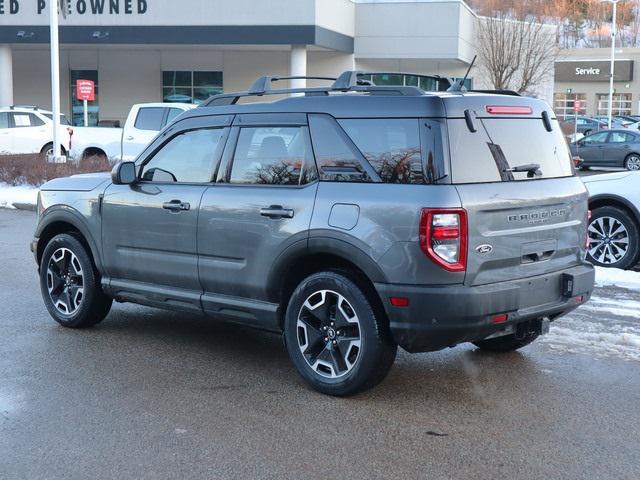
(124, 173)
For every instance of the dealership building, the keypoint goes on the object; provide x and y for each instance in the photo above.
(583, 75)
(165, 50)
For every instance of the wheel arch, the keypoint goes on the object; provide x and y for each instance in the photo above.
(610, 200)
(323, 254)
(93, 150)
(57, 220)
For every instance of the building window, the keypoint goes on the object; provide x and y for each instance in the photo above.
(622, 104)
(77, 108)
(425, 82)
(563, 104)
(190, 87)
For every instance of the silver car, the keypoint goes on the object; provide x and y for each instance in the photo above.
(614, 148)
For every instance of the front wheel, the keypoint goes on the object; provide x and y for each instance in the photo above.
(47, 151)
(336, 336)
(70, 285)
(613, 239)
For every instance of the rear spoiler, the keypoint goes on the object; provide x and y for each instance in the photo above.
(498, 92)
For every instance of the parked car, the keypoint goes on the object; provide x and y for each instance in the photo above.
(614, 200)
(351, 220)
(586, 125)
(616, 121)
(30, 130)
(614, 148)
(143, 123)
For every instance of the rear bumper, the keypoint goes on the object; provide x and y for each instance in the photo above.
(439, 317)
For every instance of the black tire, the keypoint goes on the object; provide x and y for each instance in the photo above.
(632, 162)
(48, 147)
(508, 343)
(602, 223)
(366, 363)
(88, 308)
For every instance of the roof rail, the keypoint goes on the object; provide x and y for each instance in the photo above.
(346, 82)
(26, 107)
(263, 84)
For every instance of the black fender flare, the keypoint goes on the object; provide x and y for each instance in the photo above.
(328, 243)
(66, 214)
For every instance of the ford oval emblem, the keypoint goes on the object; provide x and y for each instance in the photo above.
(483, 249)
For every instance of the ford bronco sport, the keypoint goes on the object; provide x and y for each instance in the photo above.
(351, 218)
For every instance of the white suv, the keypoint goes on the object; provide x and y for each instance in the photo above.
(30, 130)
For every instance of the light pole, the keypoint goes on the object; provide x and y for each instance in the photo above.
(56, 157)
(613, 56)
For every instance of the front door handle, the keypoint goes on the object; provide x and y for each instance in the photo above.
(176, 206)
(130, 137)
(276, 211)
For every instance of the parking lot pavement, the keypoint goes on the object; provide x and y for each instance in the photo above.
(152, 394)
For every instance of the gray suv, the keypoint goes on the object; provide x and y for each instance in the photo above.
(351, 218)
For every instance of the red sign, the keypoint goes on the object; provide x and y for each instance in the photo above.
(577, 105)
(85, 90)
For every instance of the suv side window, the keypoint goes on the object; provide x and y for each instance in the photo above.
(189, 157)
(4, 120)
(337, 158)
(273, 156)
(392, 147)
(150, 118)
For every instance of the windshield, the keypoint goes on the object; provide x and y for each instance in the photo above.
(507, 149)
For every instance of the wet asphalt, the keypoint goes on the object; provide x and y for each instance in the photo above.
(158, 395)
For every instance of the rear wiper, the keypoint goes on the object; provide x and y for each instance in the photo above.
(532, 169)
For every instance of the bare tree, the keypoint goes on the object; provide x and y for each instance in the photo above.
(516, 54)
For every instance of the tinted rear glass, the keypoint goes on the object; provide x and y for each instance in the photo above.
(499, 145)
(150, 118)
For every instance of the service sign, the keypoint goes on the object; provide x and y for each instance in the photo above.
(85, 90)
(593, 71)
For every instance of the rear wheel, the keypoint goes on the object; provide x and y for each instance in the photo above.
(632, 162)
(335, 336)
(70, 285)
(508, 343)
(613, 238)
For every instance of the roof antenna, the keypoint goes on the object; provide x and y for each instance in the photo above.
(458, 85)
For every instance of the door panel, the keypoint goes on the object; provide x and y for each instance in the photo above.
(261, 207)
(143, 241)
(29, 134)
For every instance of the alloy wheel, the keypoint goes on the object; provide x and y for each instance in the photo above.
(633, 162)
(608, 240)
(65, 281)
(328, 333)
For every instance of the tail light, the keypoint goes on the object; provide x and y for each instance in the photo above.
(508, 110)
(444, 237)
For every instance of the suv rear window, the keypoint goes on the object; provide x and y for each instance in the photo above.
(505, 143)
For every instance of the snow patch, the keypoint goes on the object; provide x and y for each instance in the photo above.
(623, 344)
(613, 277)
(10, 194)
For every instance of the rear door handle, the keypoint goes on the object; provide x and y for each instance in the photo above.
(176, 206)
(130, 137)
(276, 211)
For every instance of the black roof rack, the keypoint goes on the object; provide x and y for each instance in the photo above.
(346, 82)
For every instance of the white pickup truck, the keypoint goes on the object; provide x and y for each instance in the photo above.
(143, 123)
